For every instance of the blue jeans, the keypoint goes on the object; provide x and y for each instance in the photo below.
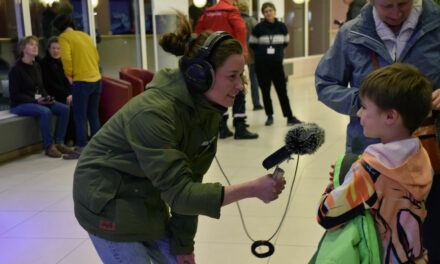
(255, 92)
(45, 112)
(85, 99)
(151, 252)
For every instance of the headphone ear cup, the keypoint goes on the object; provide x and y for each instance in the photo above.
(199, 75)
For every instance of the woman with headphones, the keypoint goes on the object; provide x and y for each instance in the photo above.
(138, 185)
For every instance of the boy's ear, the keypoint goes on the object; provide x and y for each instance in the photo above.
(391, 116)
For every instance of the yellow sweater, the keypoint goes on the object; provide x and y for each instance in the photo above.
(79, 56)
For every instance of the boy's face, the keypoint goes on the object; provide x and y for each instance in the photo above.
(372, 118)
(269, 14)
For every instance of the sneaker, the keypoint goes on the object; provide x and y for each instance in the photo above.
(258, 107)
(53, 152)
(65, 149)
(269, 121)
(293, 121)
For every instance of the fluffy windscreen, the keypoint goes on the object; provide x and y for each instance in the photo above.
(304, 138)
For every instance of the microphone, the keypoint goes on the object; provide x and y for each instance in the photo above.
(304, 138)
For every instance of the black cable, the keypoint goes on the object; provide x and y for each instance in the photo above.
(262, 242)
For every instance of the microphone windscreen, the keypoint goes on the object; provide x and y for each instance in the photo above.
(304, 138)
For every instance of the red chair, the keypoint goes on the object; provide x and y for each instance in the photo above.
(115, 94)
(138, 78)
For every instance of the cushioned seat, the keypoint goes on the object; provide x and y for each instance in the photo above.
(138, 78)
(115, 94)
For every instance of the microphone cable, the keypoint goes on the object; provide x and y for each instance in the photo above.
(258, 243)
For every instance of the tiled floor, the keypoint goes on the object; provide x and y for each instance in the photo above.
(37, 224)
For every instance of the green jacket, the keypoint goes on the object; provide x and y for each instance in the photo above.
(139, 178)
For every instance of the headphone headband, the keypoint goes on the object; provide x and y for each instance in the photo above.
(211, 42)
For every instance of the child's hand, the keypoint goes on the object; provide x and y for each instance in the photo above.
(332, 172)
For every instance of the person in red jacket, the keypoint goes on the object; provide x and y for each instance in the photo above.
(224, 16)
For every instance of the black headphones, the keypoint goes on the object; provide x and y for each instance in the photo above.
(198, 71)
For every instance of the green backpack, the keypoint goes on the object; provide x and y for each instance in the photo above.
(354, 242)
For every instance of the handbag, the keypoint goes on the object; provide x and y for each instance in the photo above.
(428, 136)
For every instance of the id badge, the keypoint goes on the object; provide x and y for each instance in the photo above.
(270, 50)
(37, 96)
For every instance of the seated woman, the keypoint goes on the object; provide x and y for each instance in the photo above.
(29, 98)
(56, 83)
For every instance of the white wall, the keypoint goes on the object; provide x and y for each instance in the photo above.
(162, 8)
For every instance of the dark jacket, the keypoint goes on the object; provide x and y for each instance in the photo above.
(55, 82)
(354, 9)
(149, 160)
(250, 22)
(25, 80)
(266, 35)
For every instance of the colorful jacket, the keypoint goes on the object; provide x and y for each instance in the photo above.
(392, 181)
(354, 242)
(149, 160)
(223, 16)
(79, 56)
(349, 61)
(266, 35)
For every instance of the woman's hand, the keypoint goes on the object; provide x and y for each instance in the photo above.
(264, 188)
(69, 78)
(436, 100)
(268, 189)
(185, 259)
(69, 100)
(45, 101)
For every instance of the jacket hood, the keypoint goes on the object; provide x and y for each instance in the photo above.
(168, 81)
(413, 170)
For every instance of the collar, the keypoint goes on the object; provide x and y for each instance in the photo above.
(410, 23)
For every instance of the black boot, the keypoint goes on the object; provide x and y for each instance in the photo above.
(241, 131)
(224, 130)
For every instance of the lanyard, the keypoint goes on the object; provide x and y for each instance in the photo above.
(271, 39)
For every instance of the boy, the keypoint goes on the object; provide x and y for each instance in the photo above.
(393, 177)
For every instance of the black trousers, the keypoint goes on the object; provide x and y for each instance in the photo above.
(268, 72)
(239, 106)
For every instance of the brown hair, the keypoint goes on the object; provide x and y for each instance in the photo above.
(266, 5)
(53, 39)
(184, 43)
(401, 87)
(23, 42)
